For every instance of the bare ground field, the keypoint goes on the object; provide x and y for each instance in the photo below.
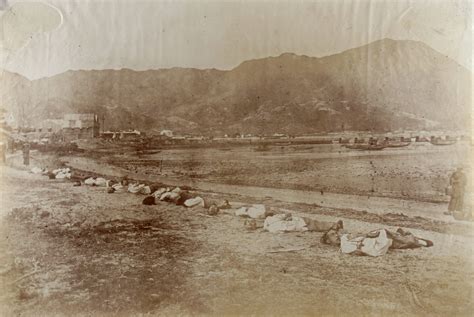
(79, 251)
(419, 172)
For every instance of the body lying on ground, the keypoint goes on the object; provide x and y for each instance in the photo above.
(374, 243)
(286, 222)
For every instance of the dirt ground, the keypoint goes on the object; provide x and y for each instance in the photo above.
(77, 250)
(418, 172)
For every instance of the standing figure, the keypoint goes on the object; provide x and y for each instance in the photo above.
(26, 154)
(458, 182)
(3, 149)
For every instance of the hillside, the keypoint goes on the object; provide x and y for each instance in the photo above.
(384, 85)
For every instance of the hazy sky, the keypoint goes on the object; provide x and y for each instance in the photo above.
(140, 34)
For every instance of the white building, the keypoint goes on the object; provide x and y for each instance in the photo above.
(167, 133)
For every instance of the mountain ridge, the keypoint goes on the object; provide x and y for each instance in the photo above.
(385, 85)
(227, 70)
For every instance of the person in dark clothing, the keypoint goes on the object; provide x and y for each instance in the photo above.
(26, 154)
(3, 149)
(457, 181)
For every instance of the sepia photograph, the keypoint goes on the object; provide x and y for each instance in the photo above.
(236, 158)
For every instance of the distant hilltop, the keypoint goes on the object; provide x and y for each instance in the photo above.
(385, 85)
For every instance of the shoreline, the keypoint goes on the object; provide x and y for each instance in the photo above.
(330, 201)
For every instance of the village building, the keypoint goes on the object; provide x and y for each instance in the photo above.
(130, 135)
(122, 135)
(52, 125)
(167, 133)
(73, 126)
(80, 126)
